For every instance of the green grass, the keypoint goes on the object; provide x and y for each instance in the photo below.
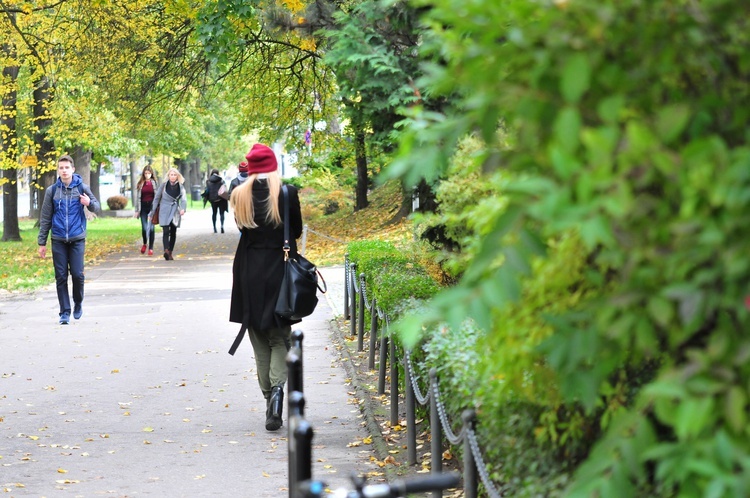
(21, 269)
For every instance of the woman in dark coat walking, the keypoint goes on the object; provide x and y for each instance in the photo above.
(259, 269)
(217, 195)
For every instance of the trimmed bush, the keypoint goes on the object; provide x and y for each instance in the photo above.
(117, 202)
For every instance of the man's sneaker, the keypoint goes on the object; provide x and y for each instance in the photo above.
(64, 318)
(77, 311)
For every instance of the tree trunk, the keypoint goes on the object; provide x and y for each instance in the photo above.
(44, 173)
(407, 199)
(82, 160)
(360, 153)
(133, 175)
(11, 230)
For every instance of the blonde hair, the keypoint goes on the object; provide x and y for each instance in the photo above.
(180, 178)
(241, 201)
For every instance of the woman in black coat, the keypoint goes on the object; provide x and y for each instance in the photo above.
(217, 195)
(259, 269)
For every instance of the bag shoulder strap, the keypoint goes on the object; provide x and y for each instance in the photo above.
(287, 246)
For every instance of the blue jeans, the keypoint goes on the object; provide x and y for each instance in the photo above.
(148, 238)
(67, 257)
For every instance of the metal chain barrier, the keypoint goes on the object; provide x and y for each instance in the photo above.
(447, 429)
(363, 286)
(327, 236)
(421, 398)
(489, 486)
(467, 433)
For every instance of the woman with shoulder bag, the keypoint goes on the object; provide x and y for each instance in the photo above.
(258, 270)
(217, 194)
(171, 202)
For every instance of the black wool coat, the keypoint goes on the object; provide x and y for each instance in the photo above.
(259, 263)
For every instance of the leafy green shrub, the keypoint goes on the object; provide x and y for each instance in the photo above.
(628, 129)
(117, 202)
(467, 203)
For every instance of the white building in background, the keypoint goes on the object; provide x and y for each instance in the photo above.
(287, 162)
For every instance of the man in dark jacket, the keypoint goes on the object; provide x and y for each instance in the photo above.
(63, 213)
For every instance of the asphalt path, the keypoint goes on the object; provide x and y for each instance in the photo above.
(139, 397)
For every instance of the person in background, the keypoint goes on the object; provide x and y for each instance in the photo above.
(258, 270)
(64, 214)
(146, 188)
(217, 195)
(172, 202)
(239, 179)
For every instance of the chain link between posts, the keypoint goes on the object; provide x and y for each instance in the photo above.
(466, 433)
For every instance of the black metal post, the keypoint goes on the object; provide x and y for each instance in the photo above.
(303, 436)
(361, 321)
(295, 409)
(470, 466)
(353, 295)
(411, 424)
(294, 362)
(346, 287)
(373, 334)
(436, 445)
(383, 363)
(394, 385)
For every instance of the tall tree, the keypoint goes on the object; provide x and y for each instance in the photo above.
(9, 142)
(43, 171)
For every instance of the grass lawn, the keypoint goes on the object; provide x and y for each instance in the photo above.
(21, 269)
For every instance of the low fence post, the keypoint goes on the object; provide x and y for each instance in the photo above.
(436, 446)
(303, 436)
(383, 363)
(294, 362)
(361, 321)
(373, 334)
(394, 384)
(353, 295)
(411, 424)
(346, 286)
(295, 408)
(470, 466)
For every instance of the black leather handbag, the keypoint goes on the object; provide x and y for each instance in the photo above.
(298, 296)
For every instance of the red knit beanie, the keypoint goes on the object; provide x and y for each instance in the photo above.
(261, 159)
(243, 167)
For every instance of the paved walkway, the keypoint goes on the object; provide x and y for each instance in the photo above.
(140, 397)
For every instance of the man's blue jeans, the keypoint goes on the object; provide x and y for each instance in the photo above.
(67, 258)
